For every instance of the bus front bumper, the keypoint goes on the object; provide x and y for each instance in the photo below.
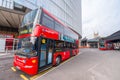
(31, 70)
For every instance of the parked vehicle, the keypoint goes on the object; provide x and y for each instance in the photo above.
(44, 41)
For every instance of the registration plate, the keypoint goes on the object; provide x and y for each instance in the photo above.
(18, 67)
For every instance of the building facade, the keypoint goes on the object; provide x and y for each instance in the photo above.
(68, 11)
(12, 12)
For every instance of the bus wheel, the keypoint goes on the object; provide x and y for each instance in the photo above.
(58, 60)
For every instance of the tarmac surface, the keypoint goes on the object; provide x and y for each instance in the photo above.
(90, 64)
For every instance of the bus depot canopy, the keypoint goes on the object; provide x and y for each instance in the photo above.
(12, 17)
(93, 40)
(114, 36)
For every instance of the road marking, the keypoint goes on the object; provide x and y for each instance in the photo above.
(41, 73)
(66, 61)
(99, 75)
(13, 69)
(93, 77)
(91, 68)
(80, 53)
(51, 69)
(24, 78)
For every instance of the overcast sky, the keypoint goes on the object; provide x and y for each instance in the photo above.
(101, 16)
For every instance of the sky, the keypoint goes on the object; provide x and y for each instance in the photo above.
(102, 16)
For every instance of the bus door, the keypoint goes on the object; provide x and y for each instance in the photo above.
(46, 52)
(70, 49)
(71, 52)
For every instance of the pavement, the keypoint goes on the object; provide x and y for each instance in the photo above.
(6, 64)
(4, 55)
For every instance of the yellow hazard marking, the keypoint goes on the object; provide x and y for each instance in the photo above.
(13, 69)
(24, 78)
(40, 74)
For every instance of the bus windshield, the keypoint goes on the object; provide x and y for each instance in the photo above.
(29, 18)
(26, 47)
(27, 23)
(101, 44)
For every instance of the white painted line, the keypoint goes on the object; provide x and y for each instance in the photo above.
(80, 53)
(93, 77)
(91, 68)
(99, 75)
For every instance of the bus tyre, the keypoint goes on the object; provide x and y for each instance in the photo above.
(74, 54)
(58, 60)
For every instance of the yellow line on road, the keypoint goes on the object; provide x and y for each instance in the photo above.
(40, 74)
(24, 78)
(44, 72)
(13, 69)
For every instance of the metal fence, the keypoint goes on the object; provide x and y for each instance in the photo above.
(8, 45)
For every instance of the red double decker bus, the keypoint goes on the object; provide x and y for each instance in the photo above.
(105, 45)
(44, 41)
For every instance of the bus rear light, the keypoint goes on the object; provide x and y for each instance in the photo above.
(33, 61)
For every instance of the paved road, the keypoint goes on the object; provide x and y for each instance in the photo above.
(6, 72)
(91, 64)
